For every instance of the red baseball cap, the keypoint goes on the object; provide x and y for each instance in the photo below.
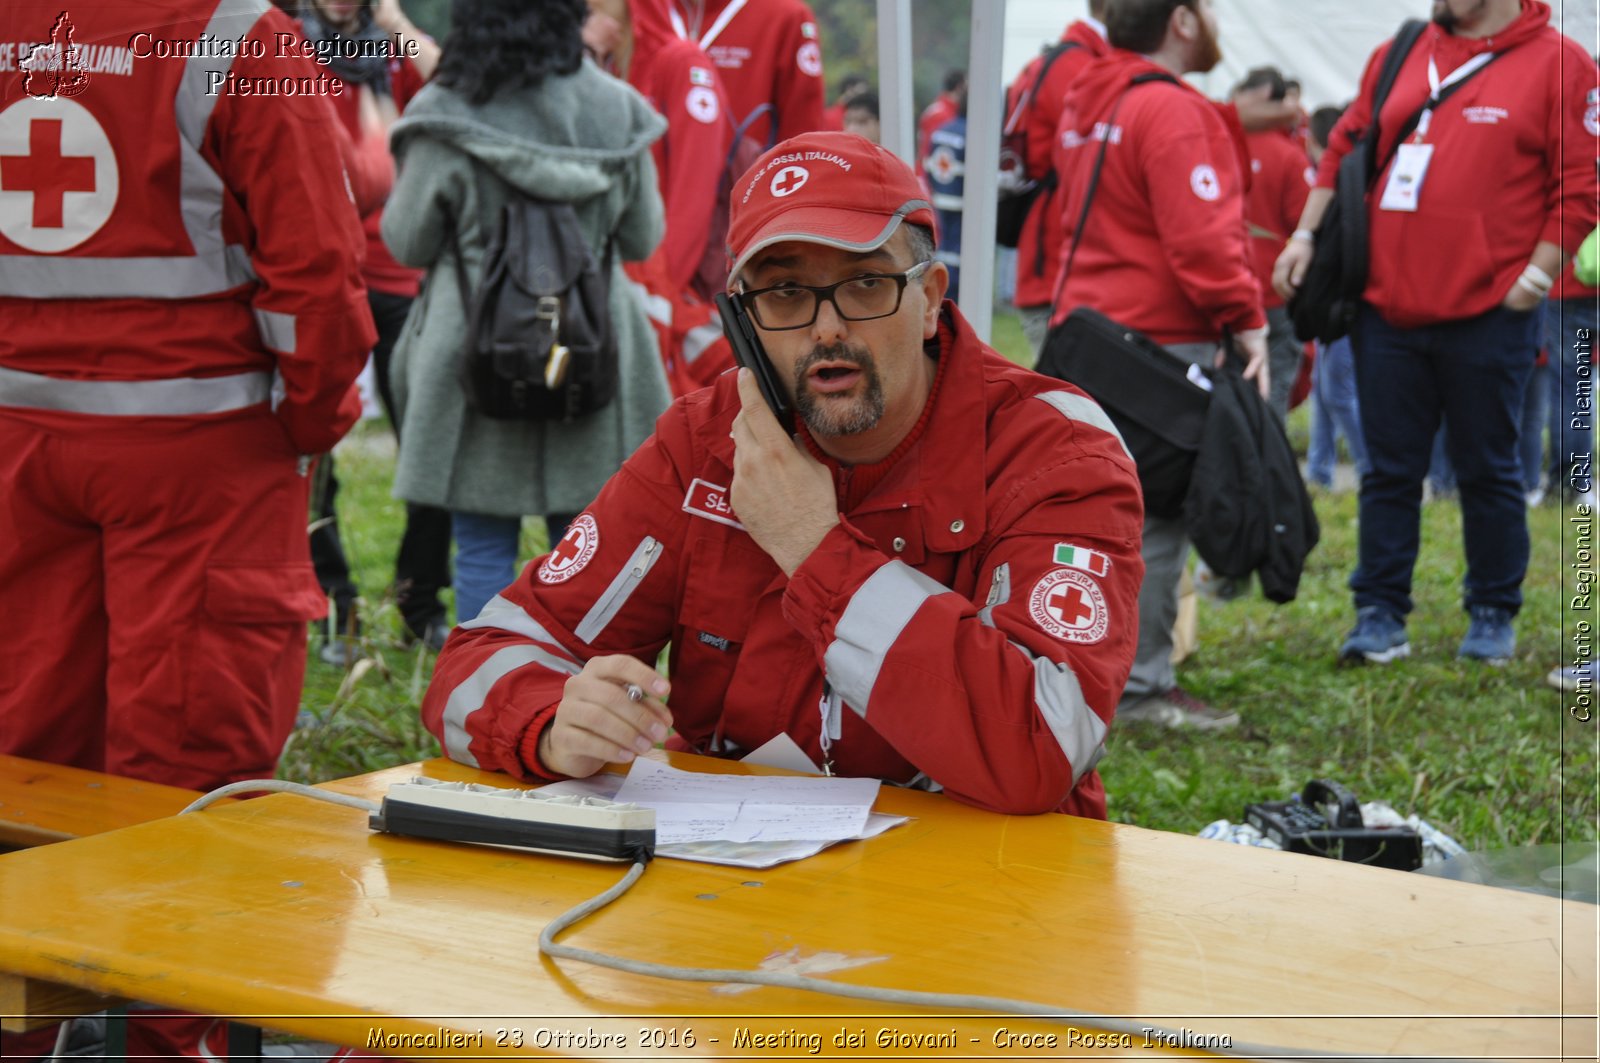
(828, 188)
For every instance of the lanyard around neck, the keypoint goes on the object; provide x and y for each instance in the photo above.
(682, 30)
(1435, 86)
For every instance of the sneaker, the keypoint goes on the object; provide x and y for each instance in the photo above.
(1378, 637)
(1177, 708)
(339, 652)
(1490, 638)
(1571, 678)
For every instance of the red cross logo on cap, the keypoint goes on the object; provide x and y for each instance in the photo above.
(573, 552)
(1068, 604)
(789, 180)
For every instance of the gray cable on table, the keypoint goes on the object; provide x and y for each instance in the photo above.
(966, 1002)
(279, 786)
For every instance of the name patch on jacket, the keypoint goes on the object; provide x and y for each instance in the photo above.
(716, 642)
(1068, 604)
(710, 501)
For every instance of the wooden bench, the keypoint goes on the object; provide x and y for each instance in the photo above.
(42, 803)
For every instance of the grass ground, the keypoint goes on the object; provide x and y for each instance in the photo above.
(1490, 756)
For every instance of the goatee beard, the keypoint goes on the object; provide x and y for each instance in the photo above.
(823, 415)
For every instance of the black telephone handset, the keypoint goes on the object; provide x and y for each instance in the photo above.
(748, 353)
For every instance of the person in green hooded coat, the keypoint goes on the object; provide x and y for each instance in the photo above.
(515, 104)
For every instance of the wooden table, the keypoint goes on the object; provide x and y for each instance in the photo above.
(289, 912)
(42, 803)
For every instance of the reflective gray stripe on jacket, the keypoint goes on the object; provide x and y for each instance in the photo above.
(468, 697)
(182, 397)
(214, 266)
(878, 614)
(1082, 408)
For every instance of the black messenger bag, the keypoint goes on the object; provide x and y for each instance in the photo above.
(1147, 392)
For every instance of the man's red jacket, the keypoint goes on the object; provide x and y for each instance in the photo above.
(1280, 181)
(1164, 250)
(976, 612)
(768, 52)
(1513, 164)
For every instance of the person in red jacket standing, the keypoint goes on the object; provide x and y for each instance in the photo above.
(168, 246)
(691, 158)
(770, 59)
(1471, 219)
(1162, 250)
(1034, 107)
(931, 581)
(1280, 181)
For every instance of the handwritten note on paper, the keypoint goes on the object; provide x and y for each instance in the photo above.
(748, 808)
(731, 853)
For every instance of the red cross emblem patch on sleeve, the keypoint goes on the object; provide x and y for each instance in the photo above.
(568, 557)
(1069, 605)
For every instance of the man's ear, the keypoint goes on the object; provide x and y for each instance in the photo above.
(1185, 22)
(935, 282)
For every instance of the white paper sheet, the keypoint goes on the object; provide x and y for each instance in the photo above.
(693, 806)
(751, 854)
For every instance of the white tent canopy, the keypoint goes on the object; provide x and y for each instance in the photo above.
(1322, 43)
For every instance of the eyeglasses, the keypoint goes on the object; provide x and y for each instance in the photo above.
(792, 306)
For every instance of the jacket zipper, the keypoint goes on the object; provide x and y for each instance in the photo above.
(616, 596)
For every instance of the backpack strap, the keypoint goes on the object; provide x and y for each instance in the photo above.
(1406, 39)
(1025, 103)
(1094, 175)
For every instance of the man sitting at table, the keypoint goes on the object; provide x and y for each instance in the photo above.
(933, 581)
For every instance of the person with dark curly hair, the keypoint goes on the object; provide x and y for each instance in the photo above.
(515, 105)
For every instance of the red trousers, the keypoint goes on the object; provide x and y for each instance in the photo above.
(156, 582)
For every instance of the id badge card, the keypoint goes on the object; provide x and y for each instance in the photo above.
(1406, 177)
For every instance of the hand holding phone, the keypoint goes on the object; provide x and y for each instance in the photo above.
(747, 351)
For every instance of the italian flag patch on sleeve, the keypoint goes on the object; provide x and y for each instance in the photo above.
(1090, 561)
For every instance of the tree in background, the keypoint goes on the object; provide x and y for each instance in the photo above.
(940, 32)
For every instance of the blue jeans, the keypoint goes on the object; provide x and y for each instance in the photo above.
(1569, 335)
(1535, 416)
(1335, 411)
(486, 559)
(1471, 374)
